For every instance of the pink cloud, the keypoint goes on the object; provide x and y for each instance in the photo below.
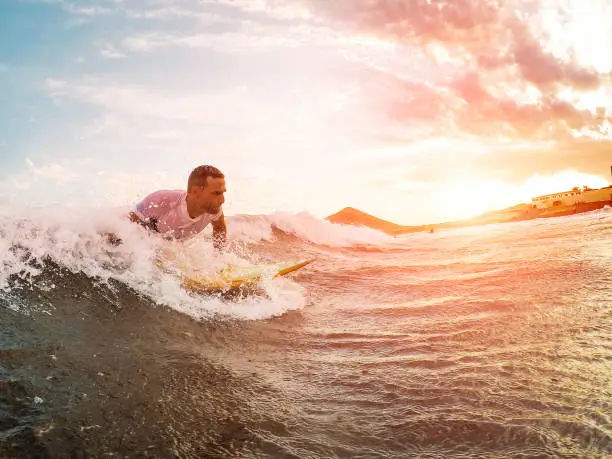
(542, 68)
(501, 53)
(467, 105)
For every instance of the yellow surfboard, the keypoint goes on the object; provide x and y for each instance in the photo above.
(238, 276)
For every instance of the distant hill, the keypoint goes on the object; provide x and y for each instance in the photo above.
(518, 212)
(351, 216)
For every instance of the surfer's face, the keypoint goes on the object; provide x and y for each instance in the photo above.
(210, 197)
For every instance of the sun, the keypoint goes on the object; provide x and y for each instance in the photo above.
(472, 196)
(469, 197)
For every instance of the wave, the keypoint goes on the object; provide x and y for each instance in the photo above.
(304, 226)
(38, 245)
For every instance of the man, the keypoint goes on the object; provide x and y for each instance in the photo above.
(180, 215)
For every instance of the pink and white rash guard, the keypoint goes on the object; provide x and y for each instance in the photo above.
(166, 212)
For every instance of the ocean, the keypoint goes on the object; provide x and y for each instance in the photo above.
(492, 341)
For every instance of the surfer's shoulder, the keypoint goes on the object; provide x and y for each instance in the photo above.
(165, 196)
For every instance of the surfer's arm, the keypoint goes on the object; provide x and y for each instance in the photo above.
(113, 239)
(219, 234)
(134, 218)
(149, 223)
(147, 212)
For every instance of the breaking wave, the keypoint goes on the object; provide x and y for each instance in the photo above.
(46, 248)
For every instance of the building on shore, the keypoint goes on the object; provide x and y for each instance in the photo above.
(574, 197)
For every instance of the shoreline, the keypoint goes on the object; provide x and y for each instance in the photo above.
(520, 212)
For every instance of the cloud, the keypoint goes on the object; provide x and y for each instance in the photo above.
(228, 42)
(195, 11)
(484, 112)
(459, 23)
(161, 13)
(467, 106)
(483, 31)
(54, 86)
(82, 10)
(110, 52)
(78, 181)
(139, 101)
(225, 120)
(229, 26)
(505, 80)
(78, 8)
(587, 156)
(276, 9)
(249, 37)
(165, 10)
(58, 174)
(510, 163)
(435, 171)
(545, 70)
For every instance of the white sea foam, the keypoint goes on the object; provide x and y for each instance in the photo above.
(73, 238)
(257, 228)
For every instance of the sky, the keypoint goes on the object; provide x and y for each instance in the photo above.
(416, 111)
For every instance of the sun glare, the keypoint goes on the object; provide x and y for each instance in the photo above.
(584, 32)
(538, 185)
(590, 33)
(470, 197)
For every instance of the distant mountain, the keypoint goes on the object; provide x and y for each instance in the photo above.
(518, 212)
(355, 217)
(351, 216)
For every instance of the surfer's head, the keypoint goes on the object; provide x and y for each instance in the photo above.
(206, 189)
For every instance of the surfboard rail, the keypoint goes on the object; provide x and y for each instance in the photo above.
(233, 277)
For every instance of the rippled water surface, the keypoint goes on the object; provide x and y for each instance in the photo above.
(493, 341)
